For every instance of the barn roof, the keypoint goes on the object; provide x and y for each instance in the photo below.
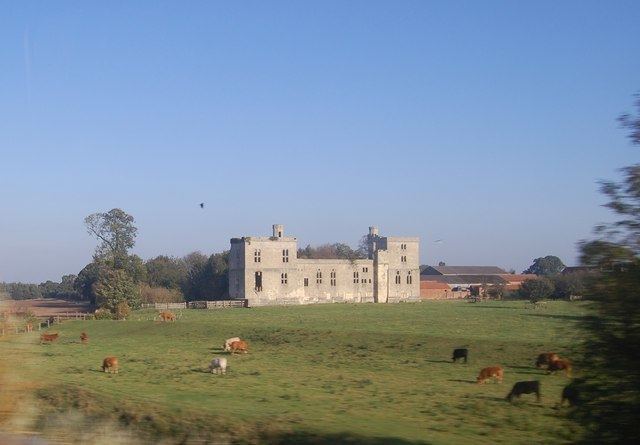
(463, 270)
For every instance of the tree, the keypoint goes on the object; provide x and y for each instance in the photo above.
(164, 271)
(113, 287)
(549, 265)
(611, 357)
(207, 277)
(87, 277)
(536, 289)
(572, 284)
(116, 233)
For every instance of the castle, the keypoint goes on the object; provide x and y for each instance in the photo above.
(267, 271)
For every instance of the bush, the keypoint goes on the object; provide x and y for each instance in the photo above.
(103, 314)
(150, 294)
(536, 289)
(122, 310)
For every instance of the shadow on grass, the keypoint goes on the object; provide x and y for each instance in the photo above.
(462, 381)
(491, 398)
(559, 317)
(439, 361)
(311, 438)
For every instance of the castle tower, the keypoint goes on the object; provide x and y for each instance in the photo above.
(278, 230)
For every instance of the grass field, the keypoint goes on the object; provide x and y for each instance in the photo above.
(327, 373)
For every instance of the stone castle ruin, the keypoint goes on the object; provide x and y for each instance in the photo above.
(267, 271)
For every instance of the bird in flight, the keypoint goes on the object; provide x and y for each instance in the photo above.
(438, 241)
(202, 205)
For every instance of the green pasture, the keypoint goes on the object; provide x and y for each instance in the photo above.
(364, 373)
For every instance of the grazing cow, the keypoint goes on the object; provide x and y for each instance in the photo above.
(560, 365)
(530, 387)
(238, 346)
(218, 365)
(460, 353)
(227, 343)
(84, 338)
(110, 364)
(167, 316)
(571, 393)
(49, 337)
(545, 358)
(493, 371)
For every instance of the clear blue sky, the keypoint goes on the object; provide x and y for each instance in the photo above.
(485, 124)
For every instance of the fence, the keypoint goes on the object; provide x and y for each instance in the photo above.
(42, 323)
(165, 305)
(217, 304)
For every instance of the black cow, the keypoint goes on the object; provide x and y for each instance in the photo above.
(530, 387)
(460, 353)
(571, 393)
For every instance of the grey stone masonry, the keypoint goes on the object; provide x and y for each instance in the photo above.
(267, 271)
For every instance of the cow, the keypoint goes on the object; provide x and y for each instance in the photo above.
(84, 338)
(45, 337)
(560, 364)
(227, 343)
(218, 365)
(571, 393)
(530, 387)
(110, 364)
(545, 358)
(460, 353)
(238, 346)
(167, 316)
(493, 371)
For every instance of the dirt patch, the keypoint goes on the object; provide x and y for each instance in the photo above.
(43, 307)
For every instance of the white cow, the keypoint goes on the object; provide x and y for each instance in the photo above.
(218, 365)
(228, 341)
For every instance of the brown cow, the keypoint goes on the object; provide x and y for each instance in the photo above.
(238, 346)
(545, 358)
(167, 316)
(492, 371)
(559, 365)
(84, 338)
(110, 364)
(45, 337)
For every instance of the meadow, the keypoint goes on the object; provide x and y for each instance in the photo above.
(339, 373)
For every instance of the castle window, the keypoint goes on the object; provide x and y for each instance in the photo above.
(283, 278)
(356, 276)
(409, 278)
(365, 269)
(318, 277)
(333, 277)
(256, 256)
(398, 277)
(306, 282)
(403, 259)
(258, 281)
(285, 255)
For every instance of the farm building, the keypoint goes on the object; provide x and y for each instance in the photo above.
(463, 279)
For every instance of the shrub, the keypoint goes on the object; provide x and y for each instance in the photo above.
(103, 314)
(150, 294)
(536, 289)
(122, 311)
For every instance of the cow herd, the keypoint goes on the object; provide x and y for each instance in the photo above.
(218, 365)
(233, 345)
(551, 360)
